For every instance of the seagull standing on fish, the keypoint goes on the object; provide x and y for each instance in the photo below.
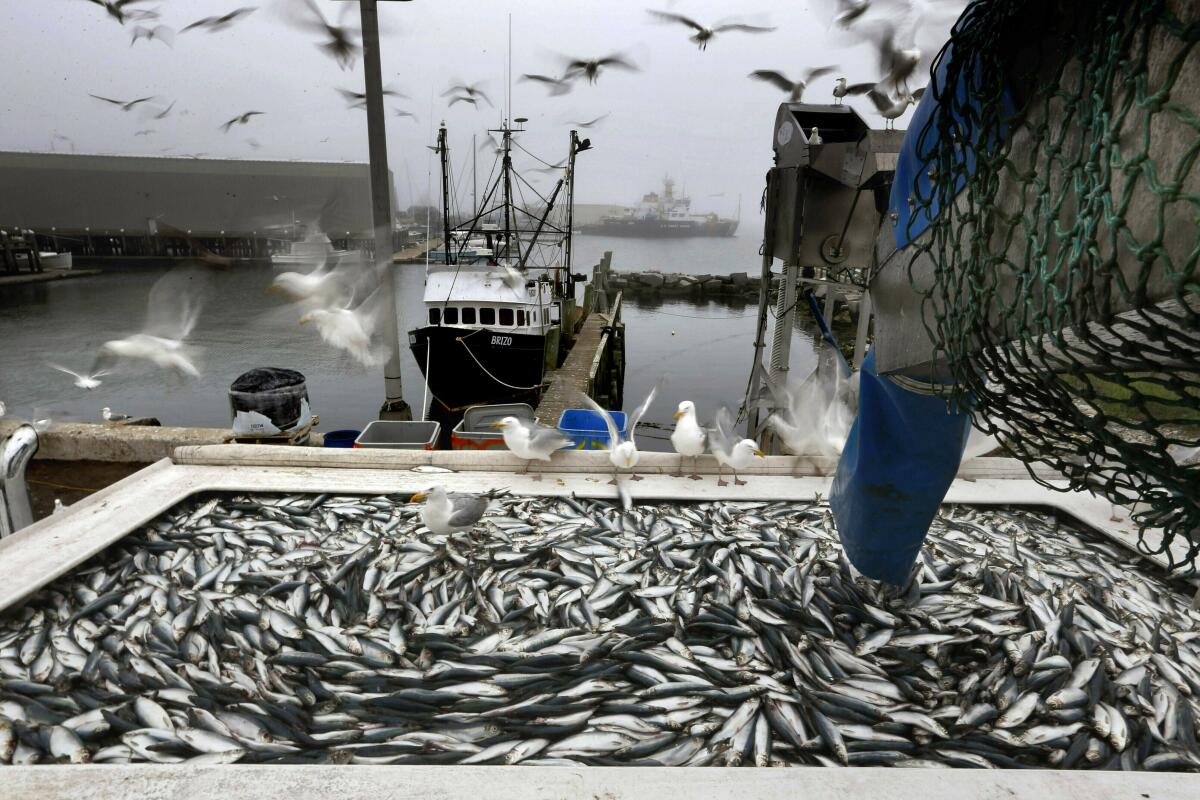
(530, 441)
(446, 514)
(705, 33)
(735, 454)
(795, 89)
(688, 438)
(622, 453)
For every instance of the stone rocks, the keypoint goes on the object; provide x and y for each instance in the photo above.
(739, 279)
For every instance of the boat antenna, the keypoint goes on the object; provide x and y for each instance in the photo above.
(508, 96)
(506, 169)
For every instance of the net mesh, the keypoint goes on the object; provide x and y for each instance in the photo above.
(1059, 273)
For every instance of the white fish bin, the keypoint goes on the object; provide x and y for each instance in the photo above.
(244, 621)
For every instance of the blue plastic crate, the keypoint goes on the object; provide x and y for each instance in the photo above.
(587, 429)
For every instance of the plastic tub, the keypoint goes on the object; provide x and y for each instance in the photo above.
(397, 435)
(587, 429)
(342, 438)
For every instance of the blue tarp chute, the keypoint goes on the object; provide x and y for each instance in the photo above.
(902, 453)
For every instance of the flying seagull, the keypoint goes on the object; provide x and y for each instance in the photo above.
(144, 132)
(359, 99)
(850, 10)
(896, 64)
(591, 122)
(841, 89)
(590, 67)
(339, 44)
(705, 33)
(400, 112)
(730, 452)
(162, 114)
(125, 105)
(795, 89)
(220, 23)
(162, 33)
(240, 119)
(622, 452)
(83, 381)
(471, 90)
(555, 86)
(116, 8)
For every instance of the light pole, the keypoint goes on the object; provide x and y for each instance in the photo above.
(394, 406)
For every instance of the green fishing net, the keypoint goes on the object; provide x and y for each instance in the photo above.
(1059, 274)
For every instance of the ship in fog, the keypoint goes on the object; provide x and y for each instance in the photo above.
(661, 216)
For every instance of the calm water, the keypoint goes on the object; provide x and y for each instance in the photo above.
(703, 350)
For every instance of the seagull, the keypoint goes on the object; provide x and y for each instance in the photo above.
(255, 143)
(87, 382)
(590, 68)
(162, 114)
(359, 99)
(622, 453)
(109, 416)
(813, 416)
(840, 89)
(850, 11)
(446, 514)
(3, 408)
(172, 309)
(591, 122)
(737, 455)
(144, 132)
(891, 109)
(512, 277)
(471, 90)
(794, 89)
(116, 8)
(340, 45)
(814, 137)
(688, 438)
(896, 64)
(350, 329)
(126, 105)
(240, 119)
(400, 112)
(705, 33)
(214, 24)
(530, 441)
(457, 99)
(163, 33)
(555, 86)
(327, 285)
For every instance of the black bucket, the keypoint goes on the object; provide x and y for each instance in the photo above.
(269, 401)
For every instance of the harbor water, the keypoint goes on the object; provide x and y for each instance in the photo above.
(703, 350)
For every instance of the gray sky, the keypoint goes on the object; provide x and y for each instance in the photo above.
(689, 113)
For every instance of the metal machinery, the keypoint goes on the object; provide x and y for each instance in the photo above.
(825, 202)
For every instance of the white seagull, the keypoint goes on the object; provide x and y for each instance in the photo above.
(622, 453)
(529, 441)
(350, 329)
(446, 514)
(89, 382)
(688, 438)
(892, 109)
(735, 454)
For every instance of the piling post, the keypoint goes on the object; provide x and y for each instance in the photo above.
(394, 406)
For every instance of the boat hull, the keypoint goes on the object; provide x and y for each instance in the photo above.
(483, 365)
(661, 229)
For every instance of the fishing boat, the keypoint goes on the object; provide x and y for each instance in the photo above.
(665, 215)
(500, 287)
(314, 248)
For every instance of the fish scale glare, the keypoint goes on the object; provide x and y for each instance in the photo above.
(337, 629)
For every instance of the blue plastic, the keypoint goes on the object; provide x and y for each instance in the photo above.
(587, 429)
(902, 453)
(342, 438)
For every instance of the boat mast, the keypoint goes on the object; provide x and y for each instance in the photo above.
(443, 157)
(573, 146)
(506, 168)
(474, 182)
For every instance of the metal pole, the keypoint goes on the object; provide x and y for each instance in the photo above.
(394, 406)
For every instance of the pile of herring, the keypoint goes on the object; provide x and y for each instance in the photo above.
(336, 629)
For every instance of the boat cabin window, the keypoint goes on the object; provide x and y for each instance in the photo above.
(468, 316)
(487, 316)
(450, 316)
(534, 313)
(521, 318)
(435, 316)
(506, 317)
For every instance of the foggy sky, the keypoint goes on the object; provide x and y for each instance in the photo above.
(689, 113)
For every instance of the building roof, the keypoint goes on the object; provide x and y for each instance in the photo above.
(72, 191)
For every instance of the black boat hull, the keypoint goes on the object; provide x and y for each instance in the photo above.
(467, 367)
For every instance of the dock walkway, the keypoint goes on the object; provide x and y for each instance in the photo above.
(578, 373)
